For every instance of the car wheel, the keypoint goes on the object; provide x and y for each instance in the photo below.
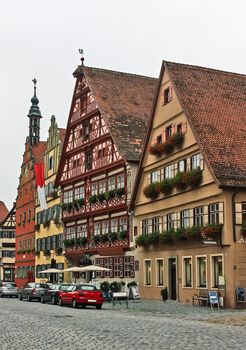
(42, 299)
(28, 297)
(74, 304)
(60, 302)
(98, 307)
(1, 296)
(53, 300)
(83, 306)
(20, 296)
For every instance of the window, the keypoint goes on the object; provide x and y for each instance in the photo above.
(68, 196)
(102, 186)
(51, 162)
(111, 183)
(187, 272)
(104, 227)
(120, 181)
(156, 224)
(213, 210)
(168, 172)
(198, 216)
(147, 272)
(168, 132)
(182, 165)
(114, 225)
(145, 226)
(167, 95)
(70, 232)
(79, 192)
(201, 264)
(196, 161)
(185, 220)
(159, 139)
(159, 272)
(123, 224)
(217, 269)
(88, 160)
(170, 221)
(116, 267)
(96, 228)
(82, 230)
(179, 128)
(29, 215)
(127, 266)
(154, 176)
(244, 212)
(94, 188)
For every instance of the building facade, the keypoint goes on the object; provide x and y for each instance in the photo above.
(190, 198)
(48, 224)
(7, 247)
(25, 201)
(103, 144)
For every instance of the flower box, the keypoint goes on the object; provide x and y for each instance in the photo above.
(151, 191)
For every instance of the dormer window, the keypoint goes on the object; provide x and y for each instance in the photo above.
(167, 95)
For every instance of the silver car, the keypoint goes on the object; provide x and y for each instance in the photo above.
(8, 289)
(32, 291)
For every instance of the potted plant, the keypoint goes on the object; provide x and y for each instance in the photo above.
(123, 234)
(195, 178)
(109, 195)
(96, 239)
(164, 294)
(101, 197)
(113, 236)
(92, 199)
(119, 192)
(181, 181)
(166, 186)
(104, 238)
(177, 139)
(151, 191)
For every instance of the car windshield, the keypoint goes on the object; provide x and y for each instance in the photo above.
(70, 288)
(85, 287)
(63, 288)
(55, 286)
(10, 285)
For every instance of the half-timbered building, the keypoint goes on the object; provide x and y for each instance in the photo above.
(103, 144)
(7, 246)
(25, 201)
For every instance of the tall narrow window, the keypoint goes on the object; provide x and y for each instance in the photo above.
(111, 183)
(201, 272)
(213, 213)
(170, 221)
(167, 95)
(88, 160)
(187, 272)
(123, 224)
(198, 216)
(120, 181)
(159, 272)
(51, 162)
(96, 228)
(185, 220)
(217, 269)
(196, 161)
(182, 165)
(147, 272)
(156, 223)
(244, 213)
(154, 176)
(168, 132)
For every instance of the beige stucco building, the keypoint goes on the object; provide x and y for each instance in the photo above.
(190, 196)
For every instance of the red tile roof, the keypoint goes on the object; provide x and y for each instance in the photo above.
(38, 150)
(3, 211)
(125, 102)
(215, 104)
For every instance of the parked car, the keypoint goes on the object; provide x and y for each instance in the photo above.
(32, 291)
(8, 289)
(52, 294)
(82, 294)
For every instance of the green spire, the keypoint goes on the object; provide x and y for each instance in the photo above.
(34, 110)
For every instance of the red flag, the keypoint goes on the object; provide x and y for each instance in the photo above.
(39, 175)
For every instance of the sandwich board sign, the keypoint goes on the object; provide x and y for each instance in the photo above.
(213, 299)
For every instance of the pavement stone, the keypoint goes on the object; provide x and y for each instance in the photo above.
(145, 325)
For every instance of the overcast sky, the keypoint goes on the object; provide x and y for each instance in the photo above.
(41, 39)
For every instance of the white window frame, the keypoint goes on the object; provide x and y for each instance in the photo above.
(157, 272)
(144, 269)
(212, 269)
(197, 271)
(184, 274)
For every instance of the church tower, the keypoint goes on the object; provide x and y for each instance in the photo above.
(34, 116)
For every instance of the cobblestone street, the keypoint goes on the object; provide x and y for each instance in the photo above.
(145, 325)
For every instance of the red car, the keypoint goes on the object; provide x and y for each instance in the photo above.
(82, 294)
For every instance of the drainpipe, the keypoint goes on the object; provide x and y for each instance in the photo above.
(234, 214)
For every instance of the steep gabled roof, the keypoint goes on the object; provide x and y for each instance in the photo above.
(3, 211)
(124, 101)
(214, 103)
(9, 220)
